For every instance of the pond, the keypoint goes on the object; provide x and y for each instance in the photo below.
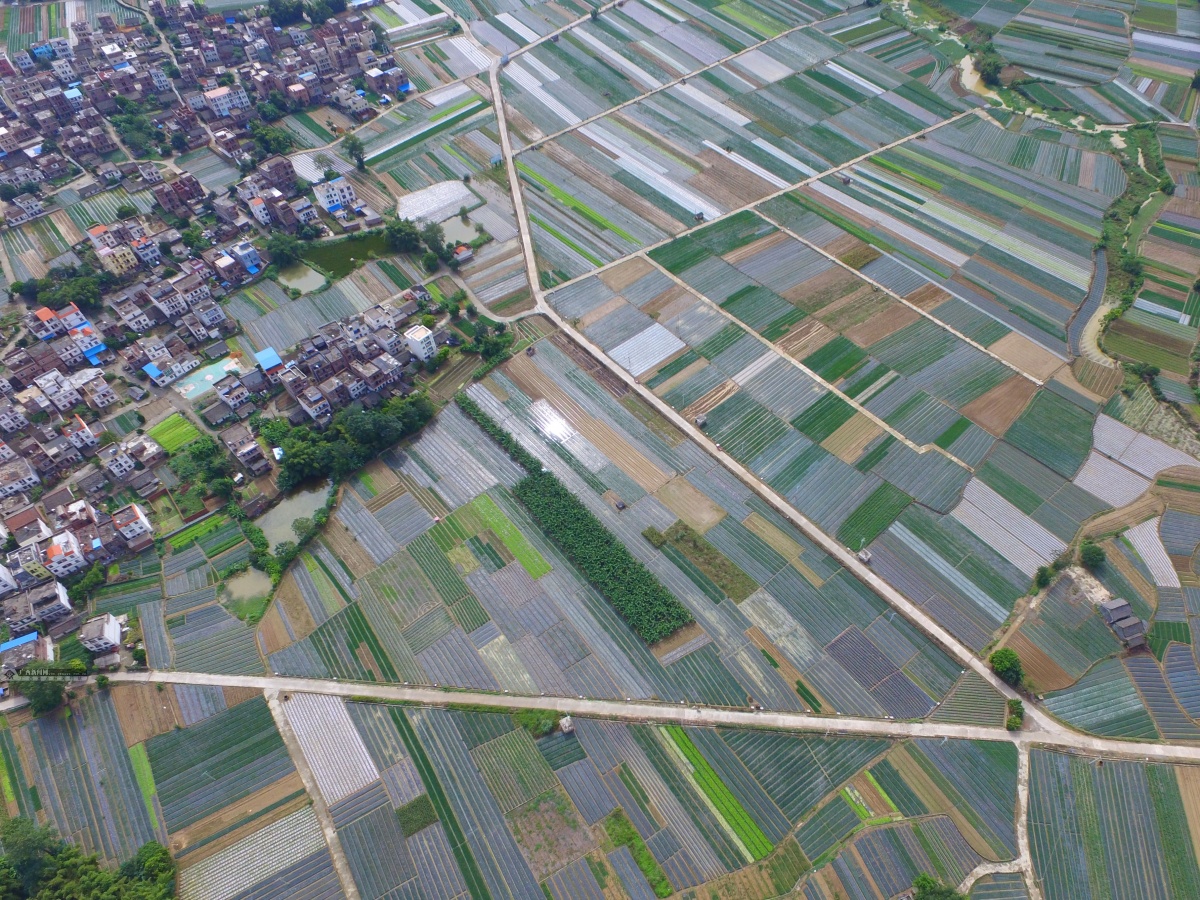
(301, 277)
(459, 232)
(339, 258)
(248, 585)
(276, 522)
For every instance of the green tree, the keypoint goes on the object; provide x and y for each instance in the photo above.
(284, 249)
(27, 849)
(403, 236)
(354, 148)
(989, 65)
(430, 261)
(126, 211)
(1092, 556)
(301, 527)
(435, 239)
(1007, 665)
(929, 888)
(1043, 577)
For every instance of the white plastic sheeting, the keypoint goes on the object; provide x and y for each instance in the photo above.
(646, 349)
(1110, 481)
(1145, 540)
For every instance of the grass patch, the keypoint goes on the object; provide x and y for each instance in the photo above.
(873, 515)
(518, 545)
(808, 696)
(719, 569)
(145, 778)
(249, 611)
(622, 833)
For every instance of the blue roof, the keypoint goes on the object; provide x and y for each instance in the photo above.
(97, 543)
(229, 20)
(268, 358)
(93, 353)
(253, 270)
(17, 642)
(335, 207)
(121, 65)
(72, 93)
(152, 370)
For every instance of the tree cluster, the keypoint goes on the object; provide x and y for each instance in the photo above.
(352, 440)
(39, 865)
(403, 236)
(64, 285)
(137, 132)
(630, 588)
(43, 684)
(1007, 665)
(929, 888)
(270, 139)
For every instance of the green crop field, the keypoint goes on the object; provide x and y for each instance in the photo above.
(517, 544)
(174, 432)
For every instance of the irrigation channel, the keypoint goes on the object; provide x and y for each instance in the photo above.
(1056, 737)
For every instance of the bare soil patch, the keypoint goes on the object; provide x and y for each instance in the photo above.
(620, 277)
(144, 711)
(819, 291)
(632, 462)
(774, 239)
(680, 377)
(1099, 379)
(772, 536)
(232, 815)
(711, 400)
(591, 317)
(272, 631)
(681, 636)
(887, 317)
(1044, 672)
(1189, 789)
(341, 541)
(693, 507)
(928, 297)
(851, 439)
(726, 182)
(999, 407)
(1020, 351)
(1145, 507)
(288, 596)
(805, 338)
(550, 832)
(236, 695)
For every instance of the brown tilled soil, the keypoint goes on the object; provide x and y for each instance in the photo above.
(849, 441)
(288, 596)
(669, 303)
(272, 630)
(236, 695)
(1145, 507)
(726, 182)
(1189, 789)
(805, 338)
(928, 297)
(1027, 356)
(235, 813)
(828, 287)
(936, 801)
(774, 239)
(678, 639)
(887, 317)
(693, 507)
(341, 541)
(620, 277)
(772, 536)
(787, 671)
(536, 384)
(1099, 379)
(145, 711)
(999, 407)
(1043, 672)
(592, 316)
(711, 400)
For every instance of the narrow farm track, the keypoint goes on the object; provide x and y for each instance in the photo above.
(340, 865)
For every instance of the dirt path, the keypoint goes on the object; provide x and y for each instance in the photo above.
(340, 865)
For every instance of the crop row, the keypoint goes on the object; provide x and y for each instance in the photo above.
(726, 804)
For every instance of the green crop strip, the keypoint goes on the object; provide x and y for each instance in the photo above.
(726, 804)
(145, 779)
(571, 202)
(458, 842)
(563, 239)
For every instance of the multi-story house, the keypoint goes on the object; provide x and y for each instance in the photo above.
(131, 522)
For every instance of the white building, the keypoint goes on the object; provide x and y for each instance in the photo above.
(62, 555)
(224, 100)
(335, 196)
(420, 342)
(116, 461)
(17, 476)
(101, 634)
(132, 522)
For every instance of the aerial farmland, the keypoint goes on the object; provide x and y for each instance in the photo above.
(626, 450)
